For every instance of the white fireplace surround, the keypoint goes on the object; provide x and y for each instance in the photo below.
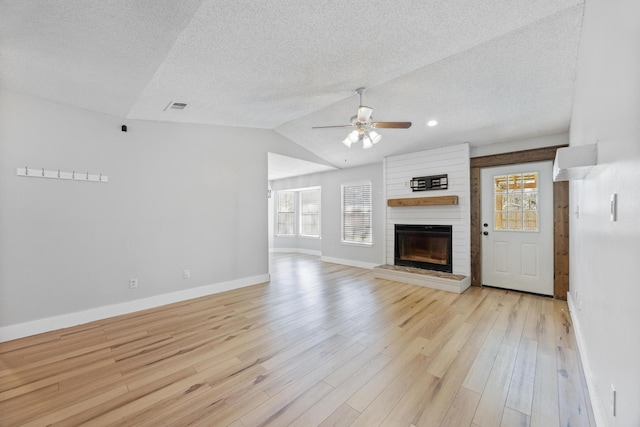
(451, 160)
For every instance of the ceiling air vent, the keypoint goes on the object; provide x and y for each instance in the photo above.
(175, 106)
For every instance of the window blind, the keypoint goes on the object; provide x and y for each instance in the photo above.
(356, 213)
(310, 213)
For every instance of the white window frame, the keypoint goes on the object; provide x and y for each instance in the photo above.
(522, 211)
(297, 211)
(278, 233)
(300, 213)
(342, 213)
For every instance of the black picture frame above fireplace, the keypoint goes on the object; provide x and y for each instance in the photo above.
(429, 247)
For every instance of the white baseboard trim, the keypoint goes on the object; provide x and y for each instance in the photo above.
(349, 262)
(62, 321)
(283, 250)
(295, 251)
(596, 403)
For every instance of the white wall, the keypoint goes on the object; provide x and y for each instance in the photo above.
(453, 161)
(330, 246)
(179, 196)
(604, 255)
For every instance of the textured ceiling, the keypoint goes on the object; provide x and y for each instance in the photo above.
(489, 71)
(281, 167)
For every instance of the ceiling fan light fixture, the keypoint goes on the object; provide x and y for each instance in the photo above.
(354, 136)
(364, 114)
(369, 138)
(364, 125)
(374, 136)
(431, 123)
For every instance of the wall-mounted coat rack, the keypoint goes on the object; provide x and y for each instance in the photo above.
(57, 174)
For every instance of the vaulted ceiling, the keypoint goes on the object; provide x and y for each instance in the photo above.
(487, 70)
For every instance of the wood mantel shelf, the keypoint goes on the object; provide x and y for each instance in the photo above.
(423, 201)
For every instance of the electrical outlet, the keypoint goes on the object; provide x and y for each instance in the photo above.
(613, 400)
(133, 283)
(187, 274)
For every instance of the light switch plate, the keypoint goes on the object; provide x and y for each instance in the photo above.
(614, 207)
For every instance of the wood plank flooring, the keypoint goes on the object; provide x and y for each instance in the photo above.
(320, 345)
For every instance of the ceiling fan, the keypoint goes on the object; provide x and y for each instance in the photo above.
(364, 125)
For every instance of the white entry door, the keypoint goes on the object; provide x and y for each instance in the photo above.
(517, 227)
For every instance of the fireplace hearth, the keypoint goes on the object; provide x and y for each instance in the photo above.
(424, 246)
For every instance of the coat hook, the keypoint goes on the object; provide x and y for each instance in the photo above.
(100, 179)
(87, 175)
(73, 175)
(26, 170)
(42, 171)
(58, 173)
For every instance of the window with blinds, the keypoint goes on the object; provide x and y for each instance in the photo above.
(356, 213)
(286, 213)
(310, 213)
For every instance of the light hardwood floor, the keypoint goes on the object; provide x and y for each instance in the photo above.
(322, 344)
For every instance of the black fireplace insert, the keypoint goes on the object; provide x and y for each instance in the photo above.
(424, 246)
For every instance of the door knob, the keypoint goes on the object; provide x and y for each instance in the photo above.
(485, 225)
(486, 233)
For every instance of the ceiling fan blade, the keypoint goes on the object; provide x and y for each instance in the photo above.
(327, 127)
(391, 125)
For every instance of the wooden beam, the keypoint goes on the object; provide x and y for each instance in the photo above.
(423, 201)
(524, 156)
(476, 238)
(561, 239)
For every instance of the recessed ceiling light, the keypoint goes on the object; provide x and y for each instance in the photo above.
(432, 123)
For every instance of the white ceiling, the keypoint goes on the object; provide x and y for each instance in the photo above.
(488, 71)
